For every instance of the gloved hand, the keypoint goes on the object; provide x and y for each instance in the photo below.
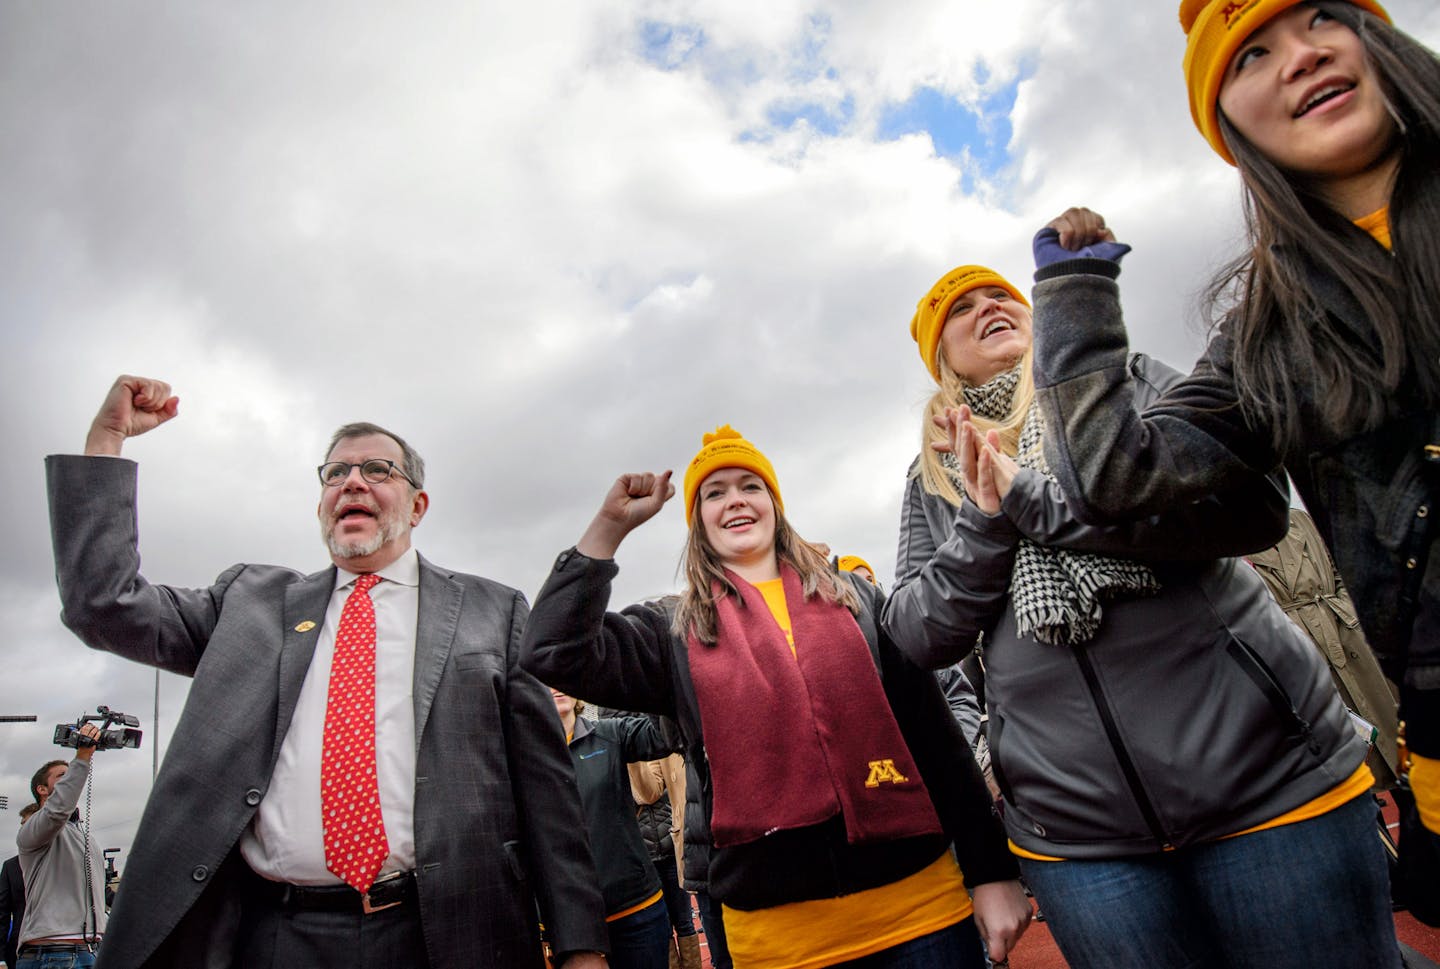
(1048, 250)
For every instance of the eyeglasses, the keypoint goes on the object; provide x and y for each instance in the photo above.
(376, 470)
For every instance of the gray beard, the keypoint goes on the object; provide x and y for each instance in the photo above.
(349, 550)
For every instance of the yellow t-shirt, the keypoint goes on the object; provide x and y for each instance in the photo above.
(1343, 793)
(635, 908)
(1377, 223)
(1425, 785)
(774, 592)
(824, 931)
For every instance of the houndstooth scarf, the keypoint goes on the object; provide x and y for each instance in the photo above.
(1056, 592)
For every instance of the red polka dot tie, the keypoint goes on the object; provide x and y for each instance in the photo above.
(355, 842)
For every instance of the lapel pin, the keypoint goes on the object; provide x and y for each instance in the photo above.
(304, 627)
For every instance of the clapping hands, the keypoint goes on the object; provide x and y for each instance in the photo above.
(986, 472)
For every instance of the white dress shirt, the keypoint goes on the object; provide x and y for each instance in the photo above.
(285, 841)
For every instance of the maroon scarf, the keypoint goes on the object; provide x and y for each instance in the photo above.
(795, 739)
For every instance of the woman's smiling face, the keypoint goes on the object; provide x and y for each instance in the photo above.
(986, 332)
(1301, 90)
(738, 515)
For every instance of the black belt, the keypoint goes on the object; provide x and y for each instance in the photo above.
(392, 890)
(56, 947)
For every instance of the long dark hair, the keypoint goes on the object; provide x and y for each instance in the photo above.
(1287, 347)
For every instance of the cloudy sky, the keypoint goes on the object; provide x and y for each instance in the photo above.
(548, 242)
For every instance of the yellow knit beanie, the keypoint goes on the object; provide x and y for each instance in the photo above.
(1214, 30)
(934, 309)
(849, 563)
(725, 448)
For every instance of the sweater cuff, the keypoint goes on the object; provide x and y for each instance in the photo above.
(998, 866)
(1081, 265)
(574, 560)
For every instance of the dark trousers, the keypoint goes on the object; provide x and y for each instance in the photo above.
(957, 947)
(677, 899)
(641, 940)
(714, 925)
(275, 938)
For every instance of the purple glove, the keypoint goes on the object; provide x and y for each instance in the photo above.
(1048, 250)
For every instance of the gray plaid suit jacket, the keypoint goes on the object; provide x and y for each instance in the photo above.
(498, 823)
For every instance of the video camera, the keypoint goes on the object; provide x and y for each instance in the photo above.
(126, 735)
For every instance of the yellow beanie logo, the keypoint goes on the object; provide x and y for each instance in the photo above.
(882, 771)
(1231, 9)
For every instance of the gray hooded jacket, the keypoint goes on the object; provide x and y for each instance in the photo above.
(1191, 715)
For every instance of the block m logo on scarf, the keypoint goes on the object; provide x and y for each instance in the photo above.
(882, 771)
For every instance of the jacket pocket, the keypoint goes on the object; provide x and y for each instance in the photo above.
(513, 859)
(479, 661)
(992, 736)
(1297, 728)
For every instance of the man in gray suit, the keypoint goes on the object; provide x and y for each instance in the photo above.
(456, 777)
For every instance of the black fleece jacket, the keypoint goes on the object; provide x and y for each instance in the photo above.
(600, 751)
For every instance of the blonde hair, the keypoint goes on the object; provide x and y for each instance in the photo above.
(930, 467)
(701, 564)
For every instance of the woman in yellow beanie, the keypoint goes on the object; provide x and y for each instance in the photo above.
(1326, 356)
(1166, 812)
(854, 563)
(835, 809)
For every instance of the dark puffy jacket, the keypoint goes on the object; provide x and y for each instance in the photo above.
(633, 661)
(1373, 493)
(1192, 714)
(654, 821)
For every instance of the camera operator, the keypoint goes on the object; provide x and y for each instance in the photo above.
(65, 907)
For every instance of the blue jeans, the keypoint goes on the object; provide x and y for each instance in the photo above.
(79, 959)
(713, 922)
(1316, 893)
(957, 947)
(677, 899)
(641, 940)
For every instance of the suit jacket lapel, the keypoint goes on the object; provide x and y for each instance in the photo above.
(305, 605)
(439, 619)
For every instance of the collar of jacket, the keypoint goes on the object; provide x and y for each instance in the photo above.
(583, 728)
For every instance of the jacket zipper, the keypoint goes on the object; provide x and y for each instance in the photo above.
(1263, 677)
(1127, 766)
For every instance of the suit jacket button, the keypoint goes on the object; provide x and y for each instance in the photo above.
(252, 797)
(200, 873)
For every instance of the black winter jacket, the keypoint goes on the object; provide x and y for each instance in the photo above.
(1192, 714)
(654, 821)
(1373, 493)
(633, 661)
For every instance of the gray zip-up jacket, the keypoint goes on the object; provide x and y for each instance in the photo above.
(1193, 714)
(53, 860)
